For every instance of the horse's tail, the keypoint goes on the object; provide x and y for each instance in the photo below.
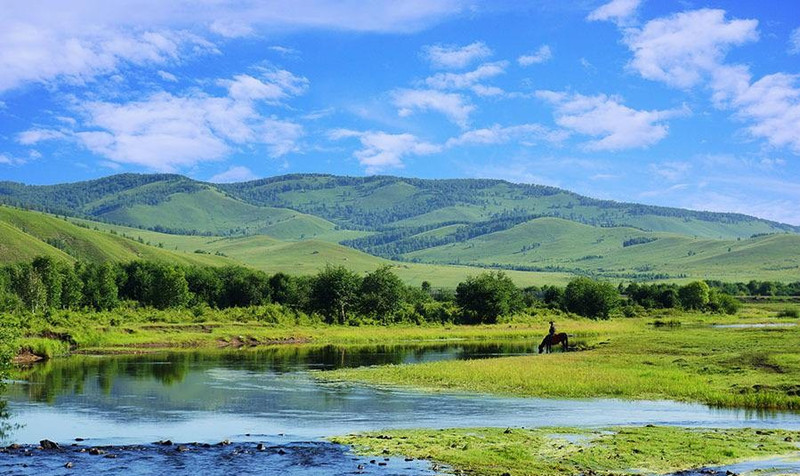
(566, 342)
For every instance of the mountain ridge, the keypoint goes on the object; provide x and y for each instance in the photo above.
(94, 198)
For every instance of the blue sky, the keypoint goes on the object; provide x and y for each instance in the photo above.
(692, 104)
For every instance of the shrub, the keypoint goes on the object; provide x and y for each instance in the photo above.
(590, 298)
(792, 312)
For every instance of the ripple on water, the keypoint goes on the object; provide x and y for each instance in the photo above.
(300, 458)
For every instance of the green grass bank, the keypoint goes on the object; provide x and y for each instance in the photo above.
(678, 356)
(569, 451)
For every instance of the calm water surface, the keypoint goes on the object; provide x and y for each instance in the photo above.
(271, 396)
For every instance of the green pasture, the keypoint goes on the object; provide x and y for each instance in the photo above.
(573, 451)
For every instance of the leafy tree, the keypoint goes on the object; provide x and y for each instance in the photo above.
(170, 288)
(488, 296)
(71, 288)
(242, 287)
(381, 294)
(334, 293)
(204, 285)
(668, 298)
(694, 295)
(100, 289)
(48, 271)
(553, 296)
(721, 302)
(282, 287)
(590, 298)
(30, 288)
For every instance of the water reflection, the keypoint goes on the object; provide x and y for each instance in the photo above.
(48, 380)
(261, 394)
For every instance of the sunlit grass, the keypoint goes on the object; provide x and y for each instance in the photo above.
(568, 451)
(630, 358)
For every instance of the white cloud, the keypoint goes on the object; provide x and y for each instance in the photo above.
(381, 150)
(671, 171)
(283, 50)
(452, 105)
(616, 126)
(234, 174)
(32, 53)
(78, 40)
(34, 136)
(683, 48)
(233, 28)
(167, 76)
(11, 160)
(280, 136)
(772, 107)
(526, 134)
(689, 48)
(794, 42)
(274, 86)
(167, 132)
(618, 11)
(469, 79)
(456, 57)
(541, 55)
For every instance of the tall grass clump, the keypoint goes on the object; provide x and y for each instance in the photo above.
(791, 312)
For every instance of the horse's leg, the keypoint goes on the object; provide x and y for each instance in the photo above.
(565, 343)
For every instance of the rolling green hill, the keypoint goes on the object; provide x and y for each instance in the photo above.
(622, 252)
(308, 257)
(297, 223)
(25, 235)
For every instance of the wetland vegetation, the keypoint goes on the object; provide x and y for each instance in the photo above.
(570, 451)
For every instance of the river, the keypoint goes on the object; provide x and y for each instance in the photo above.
(271, 396)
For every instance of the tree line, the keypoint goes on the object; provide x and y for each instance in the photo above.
(335, 293)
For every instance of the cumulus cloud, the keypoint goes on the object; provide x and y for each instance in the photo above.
(456, 57)
(167, 132)
(771, 106)
(380, 150)
(689, 48)
(615, 125)
(453, 106)
(543, 54)
(79, 40)
(618, 11)
(526, 134)
(683, 48)
(234, 174)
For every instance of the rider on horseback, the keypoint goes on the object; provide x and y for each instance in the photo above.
(552, 329)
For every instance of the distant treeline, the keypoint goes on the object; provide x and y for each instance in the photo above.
(335, 293)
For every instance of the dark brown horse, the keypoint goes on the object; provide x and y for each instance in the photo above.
(551, 340)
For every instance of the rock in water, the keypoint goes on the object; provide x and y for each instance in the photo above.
(49, 445)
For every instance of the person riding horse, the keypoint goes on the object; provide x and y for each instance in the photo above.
(552, 338)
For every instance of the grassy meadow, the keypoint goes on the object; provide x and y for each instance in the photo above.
(571, 451)
(676, 356)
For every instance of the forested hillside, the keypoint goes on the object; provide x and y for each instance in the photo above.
(484, 223)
